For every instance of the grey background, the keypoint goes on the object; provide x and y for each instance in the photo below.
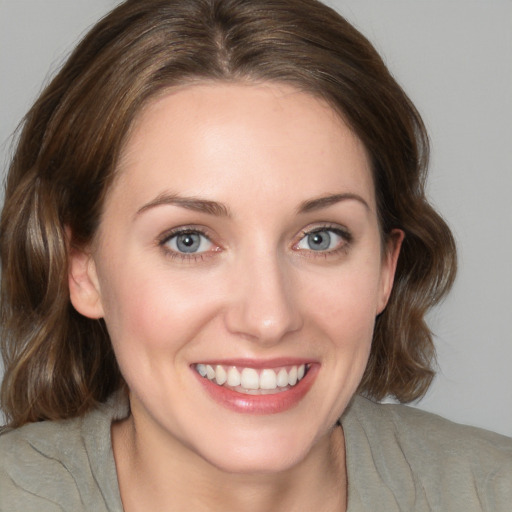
(454, 58)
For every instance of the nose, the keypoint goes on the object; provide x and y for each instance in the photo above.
(263, 303)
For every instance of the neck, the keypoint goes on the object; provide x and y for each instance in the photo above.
(153, 476)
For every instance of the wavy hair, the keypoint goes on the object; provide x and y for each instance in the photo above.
(59, 364)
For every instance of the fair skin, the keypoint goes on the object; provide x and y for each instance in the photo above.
(241, 233)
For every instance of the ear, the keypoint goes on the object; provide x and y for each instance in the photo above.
(389, 262)
(84, 290)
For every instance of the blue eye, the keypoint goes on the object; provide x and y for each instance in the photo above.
(189, 242)
(326, 239)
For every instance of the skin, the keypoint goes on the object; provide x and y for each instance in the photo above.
(256, 290)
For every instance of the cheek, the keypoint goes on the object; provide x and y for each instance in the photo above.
(346, 304)
(154, 309)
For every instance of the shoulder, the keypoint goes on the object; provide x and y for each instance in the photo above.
(426, 428)
(36, 463)
(54, 465)
(446, 462)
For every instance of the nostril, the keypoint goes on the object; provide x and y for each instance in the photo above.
(262, 325)
(263, 306)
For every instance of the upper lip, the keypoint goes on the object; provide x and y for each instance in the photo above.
(259, 363)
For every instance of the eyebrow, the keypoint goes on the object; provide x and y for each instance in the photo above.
(312, 205)
(220, 210)
(190, 203)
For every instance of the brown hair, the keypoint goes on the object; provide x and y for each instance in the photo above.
(59, 364)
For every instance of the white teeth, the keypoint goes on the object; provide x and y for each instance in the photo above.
(268, 379)
(210, 372)
(282, 378)
(220, 375)
(292, 376)
(233, 377)
(250, 379)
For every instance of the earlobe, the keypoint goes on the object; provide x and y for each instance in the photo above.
(389, 263)
(83, 283)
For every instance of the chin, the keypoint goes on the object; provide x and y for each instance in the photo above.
(263, 452)
(256, 463)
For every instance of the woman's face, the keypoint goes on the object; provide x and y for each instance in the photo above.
(239, 269)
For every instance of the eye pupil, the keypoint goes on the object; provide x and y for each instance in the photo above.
(188, 242)
(319, 241)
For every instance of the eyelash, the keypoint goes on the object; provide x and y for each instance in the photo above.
(191, 257)
(343, 233)
(166, 237)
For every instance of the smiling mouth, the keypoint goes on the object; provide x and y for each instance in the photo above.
(251, 381)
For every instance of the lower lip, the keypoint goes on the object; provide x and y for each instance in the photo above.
(260, 404)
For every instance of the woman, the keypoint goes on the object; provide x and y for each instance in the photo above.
(215, 237)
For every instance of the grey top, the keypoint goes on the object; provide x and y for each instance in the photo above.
(398, 459)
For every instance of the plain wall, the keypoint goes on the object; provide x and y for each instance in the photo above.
(454, 58)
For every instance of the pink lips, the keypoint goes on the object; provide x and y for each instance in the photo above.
(260, 404)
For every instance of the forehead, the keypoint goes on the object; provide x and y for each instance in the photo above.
(223, 140)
